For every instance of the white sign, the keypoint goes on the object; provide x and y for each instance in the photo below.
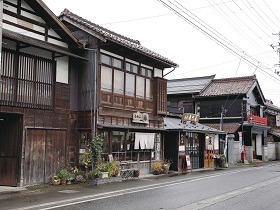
(140, 117)
(277, 120)
(190, 117)
(240, 142)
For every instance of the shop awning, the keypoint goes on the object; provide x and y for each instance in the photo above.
(175, 124)
(129, 127)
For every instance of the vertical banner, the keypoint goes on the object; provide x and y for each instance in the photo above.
(277, 120)
(240, 141)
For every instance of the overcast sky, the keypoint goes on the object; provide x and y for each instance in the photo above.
(227, 38)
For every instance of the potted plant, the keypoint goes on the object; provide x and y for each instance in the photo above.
(223, 161)
(113, 168)
(96, 148)
(94, 174)
(54, 179)
(64, 175)
(103, 169)
(157, 167)
(166, 165)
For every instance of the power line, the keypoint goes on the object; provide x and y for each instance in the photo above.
(214, 38)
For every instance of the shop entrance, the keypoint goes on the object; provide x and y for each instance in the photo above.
(209, 152)
(10, 145)
(194, 149)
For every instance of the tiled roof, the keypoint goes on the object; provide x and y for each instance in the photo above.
(227, 127)
(188, 85)
(271, 106)
(175, 124)
(275, 132)
(114, 37)
(234, 85)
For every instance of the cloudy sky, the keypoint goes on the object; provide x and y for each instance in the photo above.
(227, 38)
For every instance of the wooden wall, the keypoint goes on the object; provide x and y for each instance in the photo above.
(46, 136)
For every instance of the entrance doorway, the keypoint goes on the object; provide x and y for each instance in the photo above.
(10, 147)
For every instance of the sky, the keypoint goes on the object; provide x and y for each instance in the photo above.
(226, 38)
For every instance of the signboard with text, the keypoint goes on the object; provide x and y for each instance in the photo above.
(190, 117)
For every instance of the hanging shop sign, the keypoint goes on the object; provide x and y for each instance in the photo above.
(140, 117)
(190, 117)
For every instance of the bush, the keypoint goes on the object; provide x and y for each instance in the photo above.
(157, 166)
(112, 168)
(64, 174)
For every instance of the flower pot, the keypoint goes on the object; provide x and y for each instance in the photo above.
(104, 175)
(62, 181)
(136, 173)
(55, 183)
(157, 172)
(166, 170)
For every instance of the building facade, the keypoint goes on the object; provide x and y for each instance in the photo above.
(119, 94)
(34, 92)
(236, 105)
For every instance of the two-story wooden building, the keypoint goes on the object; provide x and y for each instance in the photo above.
(189, 136)
(34, 92)
(272, 113)
(236, 105)
(119, 94)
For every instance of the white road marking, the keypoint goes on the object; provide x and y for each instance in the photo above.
(220, 198)
(84, 199)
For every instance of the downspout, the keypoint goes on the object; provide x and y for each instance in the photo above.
(169, 72)
(93, 100)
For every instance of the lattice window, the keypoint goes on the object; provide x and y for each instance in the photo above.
(26, 80)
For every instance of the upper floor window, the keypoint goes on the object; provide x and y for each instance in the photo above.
(27, 81)
(131, 67)
(146, 72)
(106, 78)
(111, 61)
(123, 80)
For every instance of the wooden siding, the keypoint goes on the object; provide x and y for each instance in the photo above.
(10, 137)
(160, 102)
(23, 20)
(45, 152)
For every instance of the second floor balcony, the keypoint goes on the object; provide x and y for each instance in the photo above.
(254, 119)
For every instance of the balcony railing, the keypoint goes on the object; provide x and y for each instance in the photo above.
(253, 119)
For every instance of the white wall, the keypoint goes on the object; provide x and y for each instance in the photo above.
(259, 144)
(271, 147)
(62, 69)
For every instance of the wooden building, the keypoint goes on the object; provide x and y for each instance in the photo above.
(34, 92)
(236, 105)
(119, 94)
(190, 137)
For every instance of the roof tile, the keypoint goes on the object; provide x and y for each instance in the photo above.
(112, 36)
(234, 85)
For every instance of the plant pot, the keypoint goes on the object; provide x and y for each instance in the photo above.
(68, 182)
(62, 181)
(55, 183)
(104, 175)
(166, 170)
(157, 172)
(136, 173)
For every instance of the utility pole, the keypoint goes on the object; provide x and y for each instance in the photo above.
(276, 48)
(222, 118)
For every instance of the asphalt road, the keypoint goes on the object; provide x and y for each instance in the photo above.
(237, 188)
